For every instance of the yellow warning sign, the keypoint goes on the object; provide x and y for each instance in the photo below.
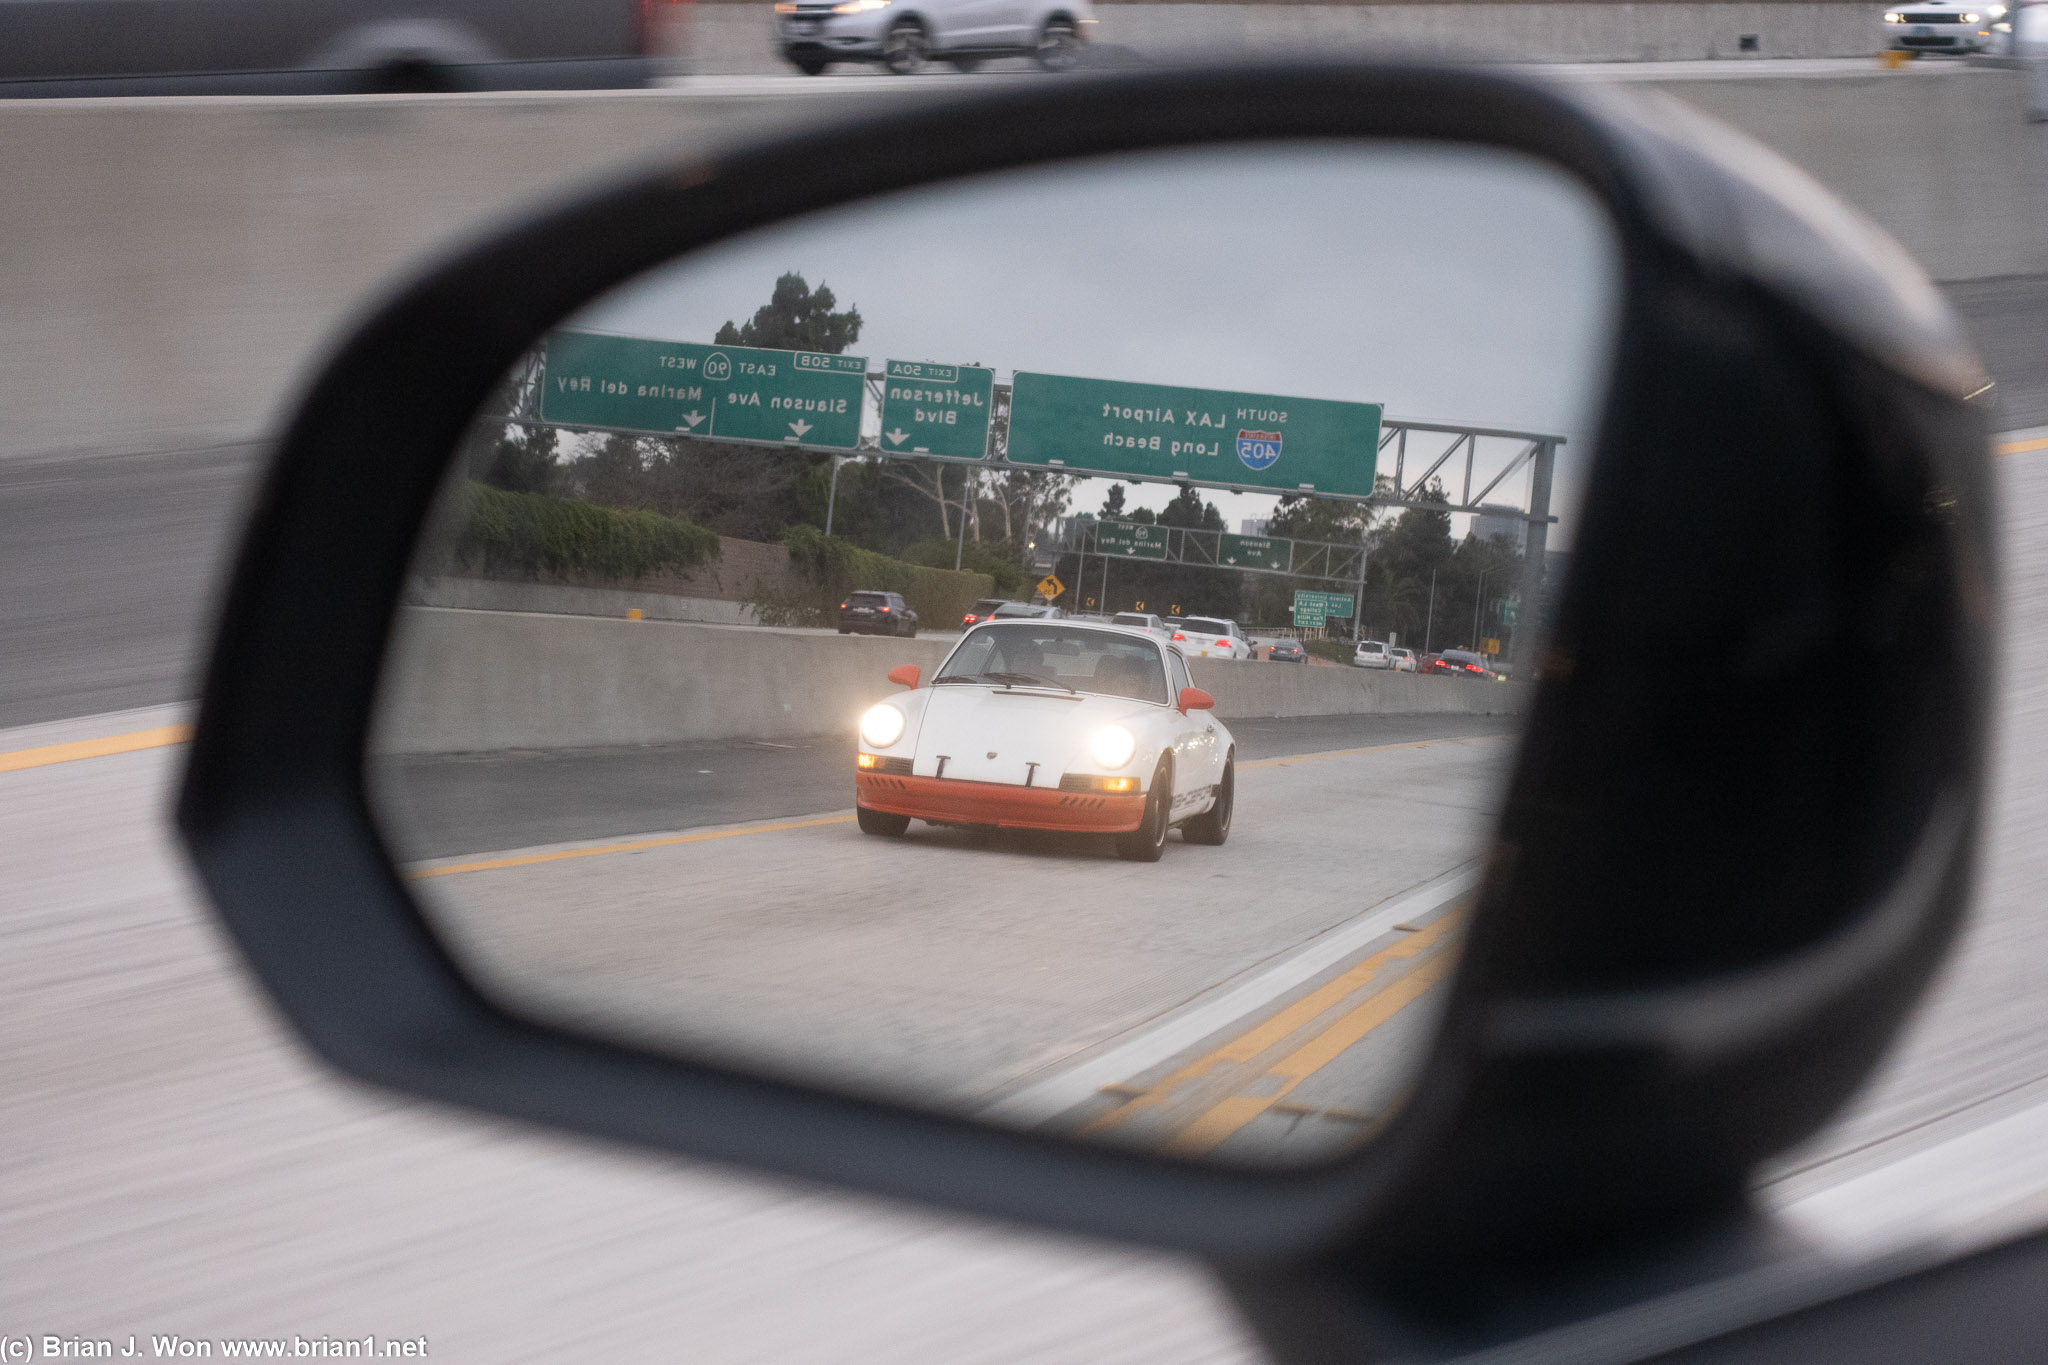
(1050, 588)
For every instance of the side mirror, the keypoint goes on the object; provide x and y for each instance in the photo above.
(1680, 913)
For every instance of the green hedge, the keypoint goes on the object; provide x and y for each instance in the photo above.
(1336, 651)
(940, 597)
(530, 533)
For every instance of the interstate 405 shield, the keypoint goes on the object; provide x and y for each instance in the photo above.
(1163, 431)
(715, 393)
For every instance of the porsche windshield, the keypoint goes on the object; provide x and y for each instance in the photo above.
(1107, 663)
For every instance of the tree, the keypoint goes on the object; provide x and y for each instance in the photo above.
(796, 318)
(1187, 509)
(1113, 505)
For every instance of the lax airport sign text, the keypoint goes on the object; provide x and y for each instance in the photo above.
(1213, 436)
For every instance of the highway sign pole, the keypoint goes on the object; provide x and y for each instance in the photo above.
(1522, 647)
(966, 484)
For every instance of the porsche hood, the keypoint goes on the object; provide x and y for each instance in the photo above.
(1023, 736)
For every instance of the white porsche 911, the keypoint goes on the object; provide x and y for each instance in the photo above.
(1051, 725)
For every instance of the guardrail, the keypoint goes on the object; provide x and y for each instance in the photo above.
(465, 681)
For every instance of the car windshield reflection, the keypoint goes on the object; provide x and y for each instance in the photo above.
(1101, 663)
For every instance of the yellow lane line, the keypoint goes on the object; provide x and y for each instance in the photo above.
(129, 743)
(1275, 1030)
(2021, 447)
(1212, 1128)
(1375, 749)
(635, 846)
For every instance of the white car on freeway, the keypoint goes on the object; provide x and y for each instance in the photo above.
(1404, 660)
(1373, 654)
(1050, 725)
(1948, 26)
(904, 35)
(1145, 621)
(1209, 637)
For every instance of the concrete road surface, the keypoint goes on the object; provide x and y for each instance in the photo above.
(958, 969)
(174, 1164)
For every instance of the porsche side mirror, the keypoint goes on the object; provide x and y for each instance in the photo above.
(1485, 354)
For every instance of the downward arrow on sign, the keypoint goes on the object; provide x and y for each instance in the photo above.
(799, 426)
(690, 419)
(897, 437)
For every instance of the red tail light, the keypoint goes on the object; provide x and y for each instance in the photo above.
(967, 620)
(1178, 636)
(882, 609)
(842, 606)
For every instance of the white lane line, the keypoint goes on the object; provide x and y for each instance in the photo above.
(1063, 1090)
(1933, 1194)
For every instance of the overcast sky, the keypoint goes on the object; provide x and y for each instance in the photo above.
(1450, 285)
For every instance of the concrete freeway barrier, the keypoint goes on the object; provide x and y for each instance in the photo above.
(485, 681)
(172, 267)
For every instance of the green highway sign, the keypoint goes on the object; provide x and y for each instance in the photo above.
(936, 409)
(1106, 426)
(1253, 552)
(721, 393)
(1131, 539)
(1313, 609)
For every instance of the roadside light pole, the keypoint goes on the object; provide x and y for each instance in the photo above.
(966, 485)
(1429, 625)
(1478, 596)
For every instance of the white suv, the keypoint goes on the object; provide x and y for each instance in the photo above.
(905, 34)
(1210, 637)
(1372, 654)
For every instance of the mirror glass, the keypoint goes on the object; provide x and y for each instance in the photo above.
(1046, 647)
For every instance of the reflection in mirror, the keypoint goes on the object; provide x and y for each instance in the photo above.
(1046, 647)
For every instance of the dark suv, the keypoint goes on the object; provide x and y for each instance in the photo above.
(876, 613)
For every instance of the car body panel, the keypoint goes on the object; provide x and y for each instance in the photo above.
(810, 30)
(1006, 740)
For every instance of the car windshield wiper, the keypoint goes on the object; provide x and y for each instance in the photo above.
(1027, 680)
(955, 678)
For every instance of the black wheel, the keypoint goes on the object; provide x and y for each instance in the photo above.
(1145, 843)
(905, 48)
(811, 66)
(965, 65)
(1058, 48)
(1212, 826)
(880, 822)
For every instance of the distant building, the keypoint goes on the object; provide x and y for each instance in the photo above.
(1254, 526)
(1074, 528)
(1489, 522)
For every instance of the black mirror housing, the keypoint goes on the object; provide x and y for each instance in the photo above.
(1713, 895)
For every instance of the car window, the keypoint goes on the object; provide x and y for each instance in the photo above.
(1126, 618)
(1177, 667)
(1101, 662)
(867, 599)
(1210, 627)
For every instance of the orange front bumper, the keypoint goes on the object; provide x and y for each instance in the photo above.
(994, 803)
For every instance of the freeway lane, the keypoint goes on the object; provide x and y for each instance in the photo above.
(955, 968)
(442, 805)
(175, 1163)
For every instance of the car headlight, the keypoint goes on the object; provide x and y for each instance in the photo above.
(1971, 18)
(1895, 18)
(882, 725)
(859, 6)
(1112, 746)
